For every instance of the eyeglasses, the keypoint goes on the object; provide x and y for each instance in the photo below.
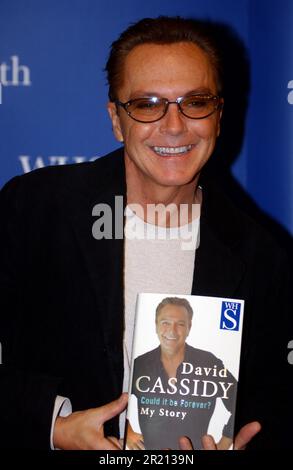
(153, 108)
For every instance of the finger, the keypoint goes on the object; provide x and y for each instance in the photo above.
(115, 441)
(185, 443)
(135, 445)
(246, 434)
(139, 442)
(140, 445)
(131, 446)
(107, 443)
(208, 443)
(112, 409)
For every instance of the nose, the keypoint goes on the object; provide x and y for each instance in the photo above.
(173, 122)
(172, 329)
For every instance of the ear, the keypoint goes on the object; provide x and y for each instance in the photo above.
(190, 325)
(157, 332)
(221, 105)
(112, 110)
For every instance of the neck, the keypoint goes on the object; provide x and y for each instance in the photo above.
(172, 361)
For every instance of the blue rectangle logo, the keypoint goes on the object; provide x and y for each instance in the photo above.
(230, 315)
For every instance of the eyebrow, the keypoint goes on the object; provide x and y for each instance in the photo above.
(149, 94)
(170, 319)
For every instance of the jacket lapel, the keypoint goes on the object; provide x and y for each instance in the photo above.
(104, 257)
(218, 268)
(218, 271)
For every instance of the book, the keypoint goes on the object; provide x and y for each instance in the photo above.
(184, 370)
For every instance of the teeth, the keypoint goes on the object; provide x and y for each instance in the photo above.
(172, 150)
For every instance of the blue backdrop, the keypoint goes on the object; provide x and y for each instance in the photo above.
(53, 89)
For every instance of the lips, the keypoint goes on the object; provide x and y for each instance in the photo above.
(172, 151)
(170, 338)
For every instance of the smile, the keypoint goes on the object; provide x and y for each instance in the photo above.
(173, 151)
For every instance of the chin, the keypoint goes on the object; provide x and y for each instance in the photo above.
(174, 180)
(177, 176)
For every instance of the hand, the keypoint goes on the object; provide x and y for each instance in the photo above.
(134, 440)
(84, 430)
(243, 437)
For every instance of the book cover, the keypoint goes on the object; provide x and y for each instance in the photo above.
(185, 367)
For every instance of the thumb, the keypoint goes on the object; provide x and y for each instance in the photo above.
(185, 443)
(113, 408)
(246, 434)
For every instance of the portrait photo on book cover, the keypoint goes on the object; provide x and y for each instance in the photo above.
(185, 367)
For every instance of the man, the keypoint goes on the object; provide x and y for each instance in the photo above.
(158, 373)
(62, 290)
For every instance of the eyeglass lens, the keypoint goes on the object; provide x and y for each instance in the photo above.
(194, 106)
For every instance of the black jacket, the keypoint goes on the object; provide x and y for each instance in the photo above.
(61, 301)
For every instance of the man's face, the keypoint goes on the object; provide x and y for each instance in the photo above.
(172, 327)
(167, 71)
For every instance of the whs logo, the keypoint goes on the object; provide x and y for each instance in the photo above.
(230, 316)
